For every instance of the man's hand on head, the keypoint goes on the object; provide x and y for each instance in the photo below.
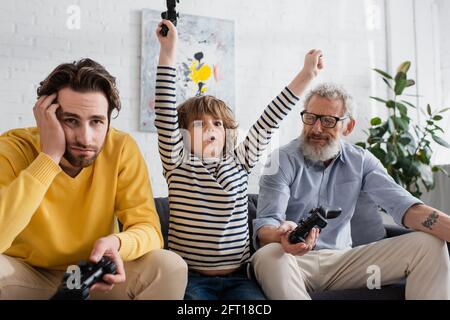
(108, 246)
(53, 140)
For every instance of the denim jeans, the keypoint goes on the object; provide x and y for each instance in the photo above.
(235, 286)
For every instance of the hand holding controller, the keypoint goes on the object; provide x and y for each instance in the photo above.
(318, 218)
(90, 273)
(171, 14)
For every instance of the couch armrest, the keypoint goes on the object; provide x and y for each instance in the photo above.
(395, 230)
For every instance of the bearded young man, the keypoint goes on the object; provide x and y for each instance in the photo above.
(321, 169)
(64, 185)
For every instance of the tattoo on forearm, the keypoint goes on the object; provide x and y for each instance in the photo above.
(431, 220)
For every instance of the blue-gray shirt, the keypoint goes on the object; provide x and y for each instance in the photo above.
(298, 185)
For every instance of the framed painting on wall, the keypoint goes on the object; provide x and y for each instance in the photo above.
(205, 61)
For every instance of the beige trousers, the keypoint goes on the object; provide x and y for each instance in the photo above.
(158, 275)
(419, 256)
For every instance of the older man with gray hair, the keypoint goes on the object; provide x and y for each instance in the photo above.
(320, 169)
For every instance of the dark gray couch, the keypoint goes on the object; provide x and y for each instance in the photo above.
(376, 231)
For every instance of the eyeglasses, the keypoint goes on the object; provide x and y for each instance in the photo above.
(326, 121)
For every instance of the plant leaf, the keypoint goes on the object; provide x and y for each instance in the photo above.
(400, 86)
(403, 111)
(410, 83)
(422, 156)
(439, 168)
(387, 83)
(407, 139)
(404, 140)
(438, 118)
(376, 132)
(401, 123)
(404, 67)
(375, 121)
(425, 173)
(390, 158)
(401, 151)
(400, 76)
(391, 125)
(390, 104)
(429, 110)
(404, 163)
(379, 153)
(440, 141)
(361, 144)
(372, 140)
(409, 104)
(384, 74)
(443, 110)
(413, 169)
(378, 99)
(439, 128)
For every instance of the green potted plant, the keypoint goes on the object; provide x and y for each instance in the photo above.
(404, 148)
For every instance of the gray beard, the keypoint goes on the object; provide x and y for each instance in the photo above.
(325, 153)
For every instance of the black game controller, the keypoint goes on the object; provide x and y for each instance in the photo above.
(90, 273)
(318, 218)
(171, 14)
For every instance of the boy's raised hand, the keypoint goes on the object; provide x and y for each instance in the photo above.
(314, 62)
(167, 54)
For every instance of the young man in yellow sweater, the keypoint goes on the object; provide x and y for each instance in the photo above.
(64, 184)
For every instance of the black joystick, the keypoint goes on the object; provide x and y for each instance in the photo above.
(90, 273)
(171, 14)
(318, 218)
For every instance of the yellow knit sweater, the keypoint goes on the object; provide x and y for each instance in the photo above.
(51, 220)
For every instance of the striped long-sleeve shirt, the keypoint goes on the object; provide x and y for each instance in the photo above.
(208, 200)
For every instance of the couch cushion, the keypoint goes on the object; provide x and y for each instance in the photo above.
(162, 207)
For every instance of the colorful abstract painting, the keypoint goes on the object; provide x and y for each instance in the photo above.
(205, 61)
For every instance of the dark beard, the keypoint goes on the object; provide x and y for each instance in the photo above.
(80, 162)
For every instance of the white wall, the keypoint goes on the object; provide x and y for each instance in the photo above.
(272, 37)
(442, 9)
(444, 25)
